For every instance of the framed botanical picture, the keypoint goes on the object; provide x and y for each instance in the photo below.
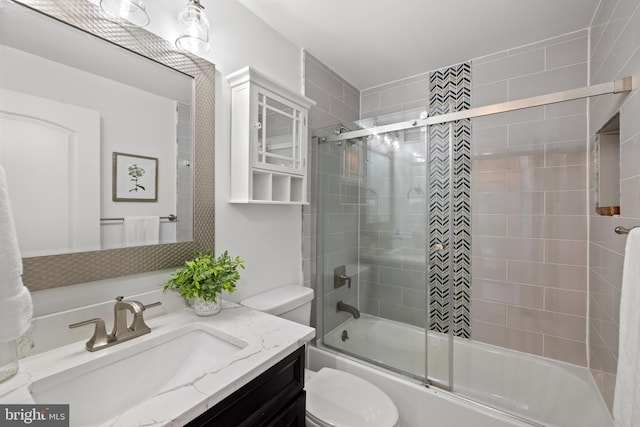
(135, 178)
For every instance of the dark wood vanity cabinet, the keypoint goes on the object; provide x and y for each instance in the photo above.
(276, 399)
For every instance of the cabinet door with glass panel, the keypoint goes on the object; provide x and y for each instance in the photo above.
(268, 140)
(280, 134)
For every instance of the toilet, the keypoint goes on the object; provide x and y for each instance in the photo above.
(334, 398)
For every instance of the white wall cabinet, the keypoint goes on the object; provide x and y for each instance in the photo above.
(269, 134)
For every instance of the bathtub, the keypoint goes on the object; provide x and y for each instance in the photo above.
(544, 391)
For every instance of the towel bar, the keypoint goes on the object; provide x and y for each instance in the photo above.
(623, 230)
(171, 218)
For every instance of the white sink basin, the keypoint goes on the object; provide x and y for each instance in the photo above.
(130, 373)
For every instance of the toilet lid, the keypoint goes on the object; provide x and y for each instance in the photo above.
(341, 399)
(280, 300)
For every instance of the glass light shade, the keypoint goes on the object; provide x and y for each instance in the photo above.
(131, 11)
(193, 29)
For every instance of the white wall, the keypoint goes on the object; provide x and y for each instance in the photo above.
(151, 133)
(268, 238)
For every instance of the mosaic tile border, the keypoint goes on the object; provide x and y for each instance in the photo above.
(449, 206)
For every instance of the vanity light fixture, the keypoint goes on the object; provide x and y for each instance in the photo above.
(193, 28)
(131, 11)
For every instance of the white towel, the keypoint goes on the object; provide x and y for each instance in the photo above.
(141, 230)
(626, 403)
(16, 308)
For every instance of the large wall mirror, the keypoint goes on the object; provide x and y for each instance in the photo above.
(102, 122)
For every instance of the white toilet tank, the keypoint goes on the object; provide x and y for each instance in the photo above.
(292, 302)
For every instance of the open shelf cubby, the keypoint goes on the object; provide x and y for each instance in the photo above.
(281, 188)
(262, 186)
(270, 187)
(297, 190)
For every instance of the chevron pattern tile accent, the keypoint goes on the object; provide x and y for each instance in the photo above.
(450, 203)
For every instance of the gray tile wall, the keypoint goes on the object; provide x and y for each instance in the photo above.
(399, 96)
(337, 101)
(529, 288)
(393, 248)
(393, 230)
(529, 223)
(614, 53)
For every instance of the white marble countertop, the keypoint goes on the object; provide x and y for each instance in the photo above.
(268, 339)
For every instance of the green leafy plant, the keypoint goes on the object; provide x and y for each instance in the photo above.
(206, 276)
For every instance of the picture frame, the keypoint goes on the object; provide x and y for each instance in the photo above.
(135, 178)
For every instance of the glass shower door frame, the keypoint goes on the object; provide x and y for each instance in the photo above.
(339, 139)
(442, 247)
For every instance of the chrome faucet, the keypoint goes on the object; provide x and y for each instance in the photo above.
(121, 331)
(348, 308)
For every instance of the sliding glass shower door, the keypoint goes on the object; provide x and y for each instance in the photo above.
(455, 250)
(372, 227)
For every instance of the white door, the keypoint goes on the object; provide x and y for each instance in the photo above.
(51, 154)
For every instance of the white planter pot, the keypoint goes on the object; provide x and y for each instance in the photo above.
(207, 308)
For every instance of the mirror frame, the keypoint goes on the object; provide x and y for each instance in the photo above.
(53, 271)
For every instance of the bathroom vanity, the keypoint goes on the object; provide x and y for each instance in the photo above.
(276, 398)
(239, 367)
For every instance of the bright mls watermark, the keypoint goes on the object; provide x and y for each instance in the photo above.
(34, 415)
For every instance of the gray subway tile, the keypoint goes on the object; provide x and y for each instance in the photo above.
(565, 350)
(508, 293)
(567, 302)
(509, 67)
(571, 252)
(376, 291)
(400, 313)
(568, 53)
(402, 278)
(549, 275)
(541, 83)
(529, 342)
(546, 322)
(489, 312)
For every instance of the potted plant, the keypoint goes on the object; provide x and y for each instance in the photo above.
(203, 278)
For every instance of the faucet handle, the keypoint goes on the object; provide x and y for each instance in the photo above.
(138, 324)
(99, 338)
(153, 304)
(120, 298)
(97, 322)
(340, 277)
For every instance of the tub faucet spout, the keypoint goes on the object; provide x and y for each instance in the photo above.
(348, 308)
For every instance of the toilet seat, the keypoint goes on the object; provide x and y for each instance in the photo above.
(337, 398)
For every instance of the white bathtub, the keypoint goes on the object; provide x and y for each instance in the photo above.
(548, 392)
